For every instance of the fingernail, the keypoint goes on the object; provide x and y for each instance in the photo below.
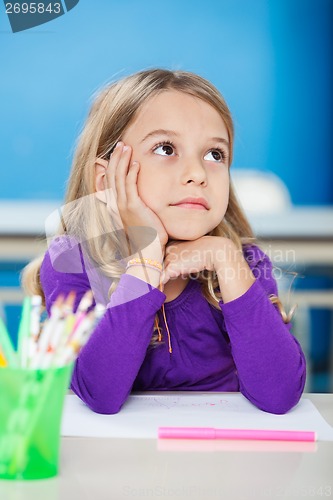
(118, 145)
(125, 148)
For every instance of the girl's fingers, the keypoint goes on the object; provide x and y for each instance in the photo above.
(175, 265)
(111, 169)
(131, 184)
(164, 278)
(169, 273)
(121, 170)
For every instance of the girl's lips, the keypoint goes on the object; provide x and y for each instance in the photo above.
(192, 203)
(191, 206)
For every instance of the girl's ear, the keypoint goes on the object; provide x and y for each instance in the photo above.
(100, 178)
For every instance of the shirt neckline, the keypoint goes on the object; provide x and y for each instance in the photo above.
(183, 296)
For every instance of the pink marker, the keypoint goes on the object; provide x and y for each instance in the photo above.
(252, 434)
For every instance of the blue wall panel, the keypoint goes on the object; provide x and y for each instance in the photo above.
(271, 60)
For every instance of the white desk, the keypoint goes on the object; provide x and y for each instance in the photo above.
(107, 469)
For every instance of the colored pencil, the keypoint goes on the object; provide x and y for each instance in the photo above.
(7, 348)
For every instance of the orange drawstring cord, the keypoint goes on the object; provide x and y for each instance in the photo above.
(157, 326)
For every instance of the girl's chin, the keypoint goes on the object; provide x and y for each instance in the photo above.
(185, 236)
(187, 232)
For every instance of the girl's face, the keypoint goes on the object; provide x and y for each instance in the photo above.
(181, 143)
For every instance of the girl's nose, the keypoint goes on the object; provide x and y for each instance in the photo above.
(194, 172)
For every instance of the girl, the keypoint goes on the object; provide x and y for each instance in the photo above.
(151, 218)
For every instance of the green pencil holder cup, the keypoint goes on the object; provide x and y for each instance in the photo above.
(31, 404)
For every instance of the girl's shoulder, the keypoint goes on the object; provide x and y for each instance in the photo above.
(64, 255)
(255, 256)
(261, 267)
(62, 270)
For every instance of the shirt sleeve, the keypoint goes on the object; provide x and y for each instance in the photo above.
(269, 360)
(108, 364)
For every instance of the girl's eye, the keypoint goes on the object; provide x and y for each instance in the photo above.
(164, 149)
(216, 155)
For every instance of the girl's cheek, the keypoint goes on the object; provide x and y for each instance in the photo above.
(144, 183)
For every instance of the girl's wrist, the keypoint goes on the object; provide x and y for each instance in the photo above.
(233, 272)
(154, 251)
(150, 263)
(225, 252)
(147, 264)
(150, 275)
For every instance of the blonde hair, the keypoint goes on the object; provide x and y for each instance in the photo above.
(113, 110)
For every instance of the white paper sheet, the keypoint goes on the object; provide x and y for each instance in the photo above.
(141, 416)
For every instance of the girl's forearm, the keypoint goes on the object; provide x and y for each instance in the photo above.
(109, 363)
(234, 274)
(270, 363)
(146, 272)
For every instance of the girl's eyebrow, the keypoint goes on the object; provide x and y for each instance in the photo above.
(162, 131)
(222, 140)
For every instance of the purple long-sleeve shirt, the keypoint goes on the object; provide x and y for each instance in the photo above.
(242, 346)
